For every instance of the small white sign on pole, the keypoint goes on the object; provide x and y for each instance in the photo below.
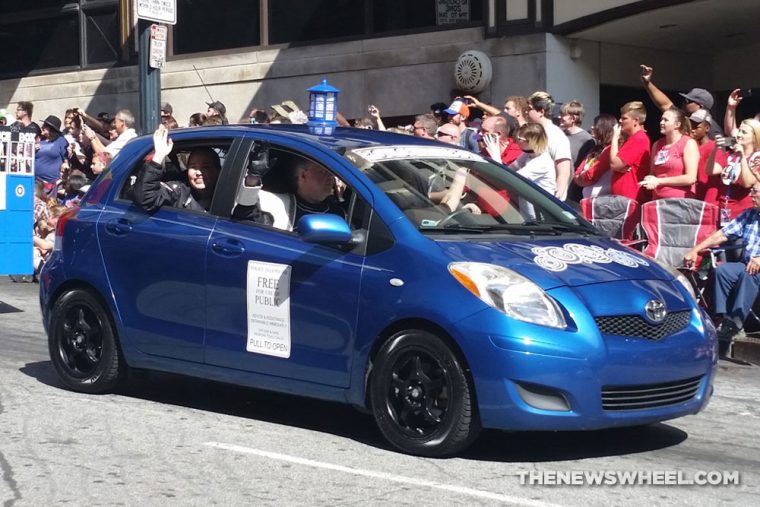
(158, 36)
(161, 11)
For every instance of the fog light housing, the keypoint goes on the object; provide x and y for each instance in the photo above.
(543, 398)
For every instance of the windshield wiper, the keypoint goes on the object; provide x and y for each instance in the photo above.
(454, 228)
(572, 228)
(522, 229)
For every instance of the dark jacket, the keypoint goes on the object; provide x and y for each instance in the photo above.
(151, 193)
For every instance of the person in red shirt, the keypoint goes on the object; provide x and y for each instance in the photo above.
(708, 185)
(593, 173)
(630, 162)
(675, 157)
(497, 142)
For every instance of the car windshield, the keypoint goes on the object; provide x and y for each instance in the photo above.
(444, 190)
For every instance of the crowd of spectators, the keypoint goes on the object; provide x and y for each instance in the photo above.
(694, 156)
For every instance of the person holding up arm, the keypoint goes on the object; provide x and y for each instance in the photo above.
(629, 161)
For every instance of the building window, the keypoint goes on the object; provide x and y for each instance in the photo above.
(14, 6)
(398, 15)
(40, 44)
(53, 34)
(309, 20)
(101, 29)
(209, 25)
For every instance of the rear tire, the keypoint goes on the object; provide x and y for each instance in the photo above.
(421, 398)
(82, 344)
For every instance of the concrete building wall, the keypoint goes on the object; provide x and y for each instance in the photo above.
(402, 75)
(573, 73)
(619, 65)
(737, 68)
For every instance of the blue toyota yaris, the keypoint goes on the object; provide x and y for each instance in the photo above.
(434, 288)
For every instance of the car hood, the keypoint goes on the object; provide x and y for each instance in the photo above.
(551, 263)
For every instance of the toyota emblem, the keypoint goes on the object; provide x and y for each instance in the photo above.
(656, 311)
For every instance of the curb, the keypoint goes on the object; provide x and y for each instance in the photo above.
(747, 349)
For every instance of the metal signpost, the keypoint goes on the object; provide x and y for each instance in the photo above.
(151, 57)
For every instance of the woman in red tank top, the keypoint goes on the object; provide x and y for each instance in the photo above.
(675, 158)
(740, 171)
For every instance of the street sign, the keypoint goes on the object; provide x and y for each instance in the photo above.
(161, 11)
(158, 36)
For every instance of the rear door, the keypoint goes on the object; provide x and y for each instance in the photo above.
(156, 265)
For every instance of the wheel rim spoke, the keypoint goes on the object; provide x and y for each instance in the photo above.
(417, 396)
(81, 341)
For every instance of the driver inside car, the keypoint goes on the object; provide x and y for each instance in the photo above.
(312, 189)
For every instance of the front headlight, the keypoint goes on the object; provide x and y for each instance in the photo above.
(679, 277)
(686, 283)
(509, 292)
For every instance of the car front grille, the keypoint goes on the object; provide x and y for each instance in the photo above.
(649, 395)
(635, 325)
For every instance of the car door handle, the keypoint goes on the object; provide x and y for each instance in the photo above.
(119, 227)
(228, 248)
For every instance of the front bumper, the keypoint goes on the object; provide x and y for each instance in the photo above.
(536, 378)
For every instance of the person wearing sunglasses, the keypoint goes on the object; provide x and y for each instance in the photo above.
(693, 100)
(708, 186)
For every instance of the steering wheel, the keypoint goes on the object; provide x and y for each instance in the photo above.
(450, 218)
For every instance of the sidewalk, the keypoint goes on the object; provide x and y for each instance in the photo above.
(748, 349)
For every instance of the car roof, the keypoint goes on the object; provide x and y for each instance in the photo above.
(341, 137)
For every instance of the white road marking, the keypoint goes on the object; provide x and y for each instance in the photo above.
(462, 490)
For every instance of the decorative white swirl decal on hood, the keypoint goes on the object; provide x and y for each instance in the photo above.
(555, 258)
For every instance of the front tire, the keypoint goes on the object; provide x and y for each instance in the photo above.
(421, 398)
(83, 345)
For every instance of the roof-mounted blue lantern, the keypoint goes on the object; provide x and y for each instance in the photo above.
(323, 105)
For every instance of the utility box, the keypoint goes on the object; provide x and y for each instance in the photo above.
(17, 149)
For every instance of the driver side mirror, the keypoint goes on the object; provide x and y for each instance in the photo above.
(324, 229)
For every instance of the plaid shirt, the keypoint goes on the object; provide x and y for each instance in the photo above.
(40, 209)
(747, 227)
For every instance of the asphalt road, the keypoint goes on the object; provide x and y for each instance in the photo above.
(171, 440)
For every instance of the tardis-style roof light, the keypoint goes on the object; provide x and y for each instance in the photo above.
(323, 104)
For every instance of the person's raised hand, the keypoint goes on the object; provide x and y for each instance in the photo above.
(646, 73)
(162, 145)
(734, 98)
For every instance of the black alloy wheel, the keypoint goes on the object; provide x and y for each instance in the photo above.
(421, 397)
(83, 345)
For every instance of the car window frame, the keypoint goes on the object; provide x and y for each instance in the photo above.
(224, 201)
(181, 143)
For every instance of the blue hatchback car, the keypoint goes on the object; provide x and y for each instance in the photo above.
(440, 291)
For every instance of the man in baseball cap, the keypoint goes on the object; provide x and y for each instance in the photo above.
(216, 108)
(458, 107)
(697, 98)
(166, 109)
(458, 113)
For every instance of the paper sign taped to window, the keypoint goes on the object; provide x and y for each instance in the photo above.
(268, 308)
(450, 12)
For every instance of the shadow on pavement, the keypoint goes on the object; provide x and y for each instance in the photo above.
(541, 446)
(344, 421)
